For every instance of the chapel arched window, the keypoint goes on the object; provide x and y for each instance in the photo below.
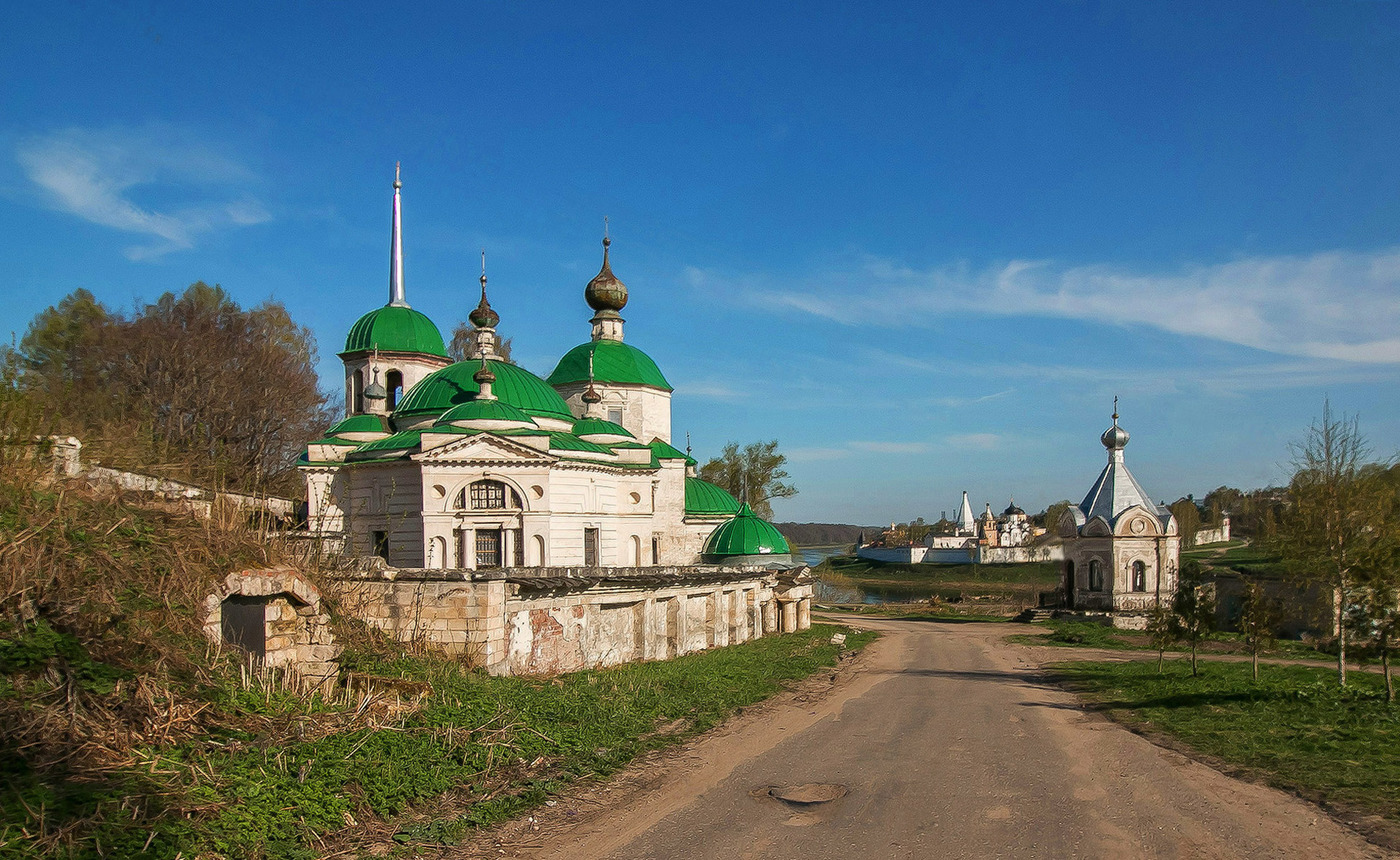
(1139, 576)
(1095, 575)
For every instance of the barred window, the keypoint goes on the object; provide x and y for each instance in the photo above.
(487, 496)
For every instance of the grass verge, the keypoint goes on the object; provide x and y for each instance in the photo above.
(477, 750)
(1087, 634)
(1294, 728)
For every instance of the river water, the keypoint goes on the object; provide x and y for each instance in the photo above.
(848, 592)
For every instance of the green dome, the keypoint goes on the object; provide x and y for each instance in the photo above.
(395, 328)
(452, 385)
(484, 410)
(599, 427)
(744, 535)
(365, 423)
(703, 499)
(613, 361)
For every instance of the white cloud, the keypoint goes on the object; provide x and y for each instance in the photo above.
(816, 455)
(715, 390)
(95, 174)
(890, 447)
(975, 441)
(1341, 305)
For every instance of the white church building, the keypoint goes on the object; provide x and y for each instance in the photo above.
(1122, 551)
(481, 464)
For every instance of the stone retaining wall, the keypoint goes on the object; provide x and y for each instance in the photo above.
(546, 620)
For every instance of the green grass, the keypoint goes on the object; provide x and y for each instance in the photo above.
(1041, 573)
(1295, 727)
(1087, 634)
(493, 747)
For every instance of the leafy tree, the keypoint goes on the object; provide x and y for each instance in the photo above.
(1193, 608)
(1161, 631)
(753, 474)
(1050, 519)
(1188, 520)
(1375, 618)
(462, 346)
(1336, 530)
(191, 384)
(1259, 617)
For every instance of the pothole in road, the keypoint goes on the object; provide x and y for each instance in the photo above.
(807, 794)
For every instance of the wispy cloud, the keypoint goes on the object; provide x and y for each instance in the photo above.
(817, 455)
(713, 390)
(890, 447)
(974, 441)
(1341, 305)
(97, 174)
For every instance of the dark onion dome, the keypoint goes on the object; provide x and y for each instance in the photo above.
(483, 316)
(1013, 511)
(613, 361)
(703, 499)
(395, 328)
(585, 427)
(484, 374)
(605, 293)
(745, 535)
(453, 385)
(485, 414)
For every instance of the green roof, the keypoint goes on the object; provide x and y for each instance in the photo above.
(663, 451)
(361, 424)
(452, 385)
(703, 499)
(597, 426)
(613, 361)
(395, 328)
(745, 534)
(484, 410)
(405, 441)
(569, 442)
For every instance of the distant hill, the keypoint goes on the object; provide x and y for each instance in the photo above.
(825, 534)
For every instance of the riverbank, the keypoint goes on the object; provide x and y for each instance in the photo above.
(993, 589)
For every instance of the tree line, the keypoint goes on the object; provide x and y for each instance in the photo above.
(191, 386)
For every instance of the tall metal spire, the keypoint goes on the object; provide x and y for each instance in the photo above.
(396, 294)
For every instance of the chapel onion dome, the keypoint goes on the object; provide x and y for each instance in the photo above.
(605, 294)
(478, 414)
(1013, 511)
(746, 539)
(456, 384)
(1114, 438)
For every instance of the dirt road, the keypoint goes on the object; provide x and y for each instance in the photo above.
(941, 744)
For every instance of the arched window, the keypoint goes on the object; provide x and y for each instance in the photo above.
(636, 551)
(1069, 574)
(486, 496)
(539, 550)
(394, 382)
(1095, 575)
(357, 392)
(1139, 576)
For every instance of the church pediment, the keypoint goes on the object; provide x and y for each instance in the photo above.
(1137, 521)
(482, 447)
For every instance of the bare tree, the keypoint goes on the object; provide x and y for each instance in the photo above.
(462, 346)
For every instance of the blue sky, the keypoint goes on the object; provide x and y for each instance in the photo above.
(922, 245)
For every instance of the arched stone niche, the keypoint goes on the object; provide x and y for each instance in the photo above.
(276, 616)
